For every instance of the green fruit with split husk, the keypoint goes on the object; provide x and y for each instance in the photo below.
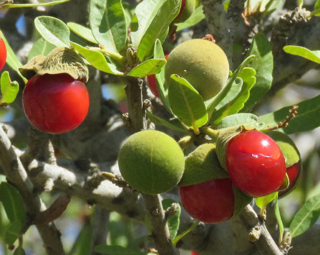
(151, 162)
(186, 10)
(202, 63)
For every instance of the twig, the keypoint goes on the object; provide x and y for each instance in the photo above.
(259, 234)
(160, 229)
(16, 174)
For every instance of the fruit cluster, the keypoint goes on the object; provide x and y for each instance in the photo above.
(152, 162)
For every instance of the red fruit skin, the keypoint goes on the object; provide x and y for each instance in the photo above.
(293, 173)
(3, 54)
(152, 82)
(183, 3)
(210, 202)
(255, 163)
(55, 103)
(194, 253)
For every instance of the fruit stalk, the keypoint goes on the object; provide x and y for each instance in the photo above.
(160, 229)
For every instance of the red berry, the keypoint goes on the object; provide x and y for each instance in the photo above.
(152, 82)
(210, 202)
(3, 54)
(194, 253)
(255, 163)
(293, 173)
(55, 103)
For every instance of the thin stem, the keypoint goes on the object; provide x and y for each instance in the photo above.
(313, 13)
(210, 132)
(177, 239)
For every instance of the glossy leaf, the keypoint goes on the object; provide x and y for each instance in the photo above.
(306, 119)
(278, 216)
(154, 18)
(53, 30)
(96, 59)
(236, 104)
(262, 202)
(306, 217)
(317, 7)
(108, 23)
(212, 103)
(12, 203)
(151, 66)
(40, 47)
(12, 232)
(237, 120)
(160, 77)
(232, 93)
(186, 103)
(194, 19)
(82, 31)
(116, 250)
(172, 124)
(263, 64)
(9, 89)
(173, 220)
(303, 52)
(11, 5)
(12, 59)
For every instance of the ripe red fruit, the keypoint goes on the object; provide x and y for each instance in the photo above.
(152, 82)
(194, 253)
(255, 163)
(3, 54)
(293, 173)
(210, 202)
(55, 103)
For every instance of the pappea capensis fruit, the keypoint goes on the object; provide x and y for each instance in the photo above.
(186, 10)
(55, 103)
(255, 163)
(3, 53)
(151, 162)
(202, 63)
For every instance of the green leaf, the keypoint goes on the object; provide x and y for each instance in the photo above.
(212, 103)
(172, 124)
(116, 250)
(278, 216)
(236, 104)
(10, 5)
(12, 59)
(82, 245)
(97, 59)
(19, 251)
(82, 31)
(194, 19)
(108, 23)
(151, 66)
(306, 217)
(12, 232)
(303, 52)
(317, 7)
(186, 103)
(262, 202)
(241, 200)
(9, 89)
(306, 119)
(12, 203)
(154, 18)
(247, 119)
(232, 93)
(263, 64)
(160, 77)
(53, 30)
(173, 220)
(40, 47)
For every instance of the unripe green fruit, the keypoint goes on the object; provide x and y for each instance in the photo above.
(187, 8)
(202, 63)
(151, 162)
